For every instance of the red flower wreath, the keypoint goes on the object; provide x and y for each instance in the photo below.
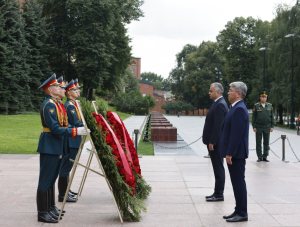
(123, 136)
(117, 150)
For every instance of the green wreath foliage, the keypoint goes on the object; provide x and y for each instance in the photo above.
(130, 206)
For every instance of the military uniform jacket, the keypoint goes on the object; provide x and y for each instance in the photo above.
(75, 121)
(263, 116)
(52, 138)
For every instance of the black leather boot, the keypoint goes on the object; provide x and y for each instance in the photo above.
(42, 207)
(53, 208)
(62, 188)
(50, 211)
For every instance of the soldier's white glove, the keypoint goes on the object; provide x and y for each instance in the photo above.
(82, 132)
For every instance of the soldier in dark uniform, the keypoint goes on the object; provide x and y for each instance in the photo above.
(298, 124)
(263, 123)
(74, 120)
(50, 148)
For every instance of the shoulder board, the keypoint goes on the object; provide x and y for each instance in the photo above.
(71, 102)
(269, 103)
(256, 103)
(51, 100)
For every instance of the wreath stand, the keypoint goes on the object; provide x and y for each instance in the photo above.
(87, 166)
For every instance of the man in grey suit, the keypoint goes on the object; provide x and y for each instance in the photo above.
(211, 136)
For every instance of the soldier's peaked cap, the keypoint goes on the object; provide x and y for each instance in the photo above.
(70, 86)
(76, 83)
(60, 80)
(263, 93)
(49, 82)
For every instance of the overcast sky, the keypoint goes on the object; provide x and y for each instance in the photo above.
(168, 25)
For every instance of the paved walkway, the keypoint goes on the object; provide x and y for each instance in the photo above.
(179, 185)
(190, 128)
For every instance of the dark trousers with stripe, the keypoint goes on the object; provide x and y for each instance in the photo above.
(219, 171)
(237, 176)
(66, 164)
(49, 166)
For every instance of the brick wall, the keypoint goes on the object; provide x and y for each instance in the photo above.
(159, 102)
(146, 88)
(135, 67)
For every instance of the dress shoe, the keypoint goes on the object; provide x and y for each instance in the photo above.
(259, 160)
(43, 216)
(74, 193)
(215, 199)
(229, 216)
(55, 217)
(69, 199)
(209, 196)
(237, 218)
(265, 160)
(56, 211)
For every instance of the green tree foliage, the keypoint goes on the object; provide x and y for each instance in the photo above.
(160, 84)
(14, 79)
(90, 40)
(130, 82)
(134, 102)
(5, 59)
(280, 57)
(201, 72)
(152, 77)
(178, 74)
(178, 107)
(36, 34)
(237, 43)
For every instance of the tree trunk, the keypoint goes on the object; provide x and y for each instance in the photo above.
(84, 92)
(90, 94)
(280, 112)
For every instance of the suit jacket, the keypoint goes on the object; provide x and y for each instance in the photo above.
(235, 135)
(51, 141)
(214, 122)
(74, 120)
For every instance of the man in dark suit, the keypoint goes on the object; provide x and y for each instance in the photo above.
(234, 146)
(211, 136)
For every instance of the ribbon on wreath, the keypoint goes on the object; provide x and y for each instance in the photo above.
(128, 172)
(133, 158)
(116, 116)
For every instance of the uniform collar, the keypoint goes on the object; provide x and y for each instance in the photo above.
(265, 104)
(50, 97)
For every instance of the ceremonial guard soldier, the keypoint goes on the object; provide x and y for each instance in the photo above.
(263, 123)
(50, 148)
(74, 120)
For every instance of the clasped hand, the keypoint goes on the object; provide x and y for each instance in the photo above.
(228, 159)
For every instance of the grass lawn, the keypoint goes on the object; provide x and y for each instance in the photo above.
(19, 134)
(122, 115)
(146, 148)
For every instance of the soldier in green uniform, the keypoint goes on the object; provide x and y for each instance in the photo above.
(263, 123)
